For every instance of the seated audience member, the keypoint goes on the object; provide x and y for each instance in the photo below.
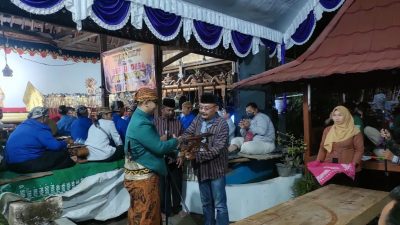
(103, 141)
(355, 112)
(3, 136)
(32, 148)
(390, 214)
(2, 132)
(395, 128)
(1, 117)
(53, 126)
(186, 117)
(258, 133)
(392, 151)
(128, 113)
(342, 142)
(80, 126)
(2, 125)
(227, 116)
(118, 110)
(357, 115)
(67, 117)
(379, 114)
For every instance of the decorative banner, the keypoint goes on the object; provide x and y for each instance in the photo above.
(45, 50)
(129, 68)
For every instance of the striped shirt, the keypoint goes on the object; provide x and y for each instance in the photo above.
(213, 162)
(168, 126)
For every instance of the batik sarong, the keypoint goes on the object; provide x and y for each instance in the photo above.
(145, 201)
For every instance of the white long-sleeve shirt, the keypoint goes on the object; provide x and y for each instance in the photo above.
(98, 142)
(262, 128)
(232, 128)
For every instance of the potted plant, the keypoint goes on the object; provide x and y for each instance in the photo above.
(293, 151)
(305, 184)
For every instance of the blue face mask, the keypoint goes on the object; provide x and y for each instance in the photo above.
(250, 115)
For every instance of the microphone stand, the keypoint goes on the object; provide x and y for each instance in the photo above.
(167, 194)
(166, 191)
(384, 142)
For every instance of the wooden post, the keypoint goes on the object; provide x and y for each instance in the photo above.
(200, 92)
(104, 93)
(223, 93)
(307, 120)
(158, 62)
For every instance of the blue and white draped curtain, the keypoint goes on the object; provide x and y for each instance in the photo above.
(166, 18)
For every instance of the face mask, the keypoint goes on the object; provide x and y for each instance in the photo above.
(250, 115)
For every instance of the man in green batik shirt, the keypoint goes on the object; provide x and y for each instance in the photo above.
(144, 160)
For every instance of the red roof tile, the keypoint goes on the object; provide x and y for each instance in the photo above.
(363, 36)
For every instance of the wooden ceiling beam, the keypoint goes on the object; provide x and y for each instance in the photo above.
(175, 57)
(30, 33)
(197, 65)
(79, 39)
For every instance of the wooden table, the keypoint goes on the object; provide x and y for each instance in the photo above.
(329, 205)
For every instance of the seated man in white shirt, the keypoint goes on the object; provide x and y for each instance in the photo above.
(258, 133)
(103, 141)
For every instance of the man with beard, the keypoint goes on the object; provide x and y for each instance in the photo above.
(211, 162)
(167, 126)
(144, 161)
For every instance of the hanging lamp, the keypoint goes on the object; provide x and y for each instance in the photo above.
(7, 71)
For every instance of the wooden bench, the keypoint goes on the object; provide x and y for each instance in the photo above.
(329, 205)
(380, 165)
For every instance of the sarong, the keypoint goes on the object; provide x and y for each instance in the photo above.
(145, 201)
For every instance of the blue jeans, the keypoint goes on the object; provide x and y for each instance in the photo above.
(213, 197)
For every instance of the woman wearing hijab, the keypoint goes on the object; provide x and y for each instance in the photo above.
(342, 142)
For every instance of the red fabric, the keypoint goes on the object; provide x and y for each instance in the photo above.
(249, 136)
(14, 110)
(363, 36)
(323, 172)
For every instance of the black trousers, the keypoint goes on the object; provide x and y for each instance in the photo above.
(343, 179)
(174, 189)
(50, 160)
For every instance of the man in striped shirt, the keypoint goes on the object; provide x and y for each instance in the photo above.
(211, 163)
(168, 126)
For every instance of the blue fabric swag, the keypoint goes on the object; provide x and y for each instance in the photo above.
(165, 23)
(241, 41)
(304, 31)
(111, 12)
(43, 4)
(208, 33)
